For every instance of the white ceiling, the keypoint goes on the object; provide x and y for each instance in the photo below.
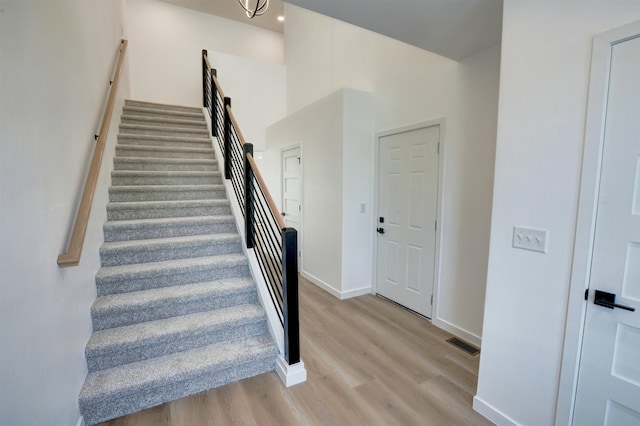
(230, 9)
(452, 28)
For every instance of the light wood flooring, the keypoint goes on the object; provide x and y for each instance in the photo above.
(369, 362)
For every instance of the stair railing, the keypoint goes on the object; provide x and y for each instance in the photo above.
(275, 246)
(72, 256)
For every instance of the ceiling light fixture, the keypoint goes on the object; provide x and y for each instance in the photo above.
(260, 7)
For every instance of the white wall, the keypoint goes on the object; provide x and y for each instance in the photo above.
(257, 91)
(546, 52)
(408, 86)
(357, 190)
(318, 129)
(334, 134)
(166, 46)
(57, 60)
(471, 129)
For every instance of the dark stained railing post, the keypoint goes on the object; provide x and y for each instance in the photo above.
(214, 101)
(227, 138)
(290, 292)
(248, 196)
(204, 79)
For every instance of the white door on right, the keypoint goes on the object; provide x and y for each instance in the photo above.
(407, 206)
(609, 376)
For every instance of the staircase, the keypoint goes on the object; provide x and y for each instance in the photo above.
(177, 311)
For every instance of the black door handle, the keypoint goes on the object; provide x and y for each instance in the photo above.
(608, 300)
(380, 230)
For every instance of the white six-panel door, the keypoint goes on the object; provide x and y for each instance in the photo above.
(406, 220)
(608, 390)
(291, 206)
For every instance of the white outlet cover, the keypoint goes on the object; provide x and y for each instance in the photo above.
(530, 239)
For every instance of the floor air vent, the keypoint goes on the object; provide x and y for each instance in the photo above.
(464, 346)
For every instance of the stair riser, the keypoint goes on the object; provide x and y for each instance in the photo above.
(160, 114)
(159, 142)
(156, 213)
(111, 319)
(209, 179)
(169, 131)
(164, 166)
(136, 255)
(164, 121)
(172, 344)
(166, 195)
(126, 284)
(161, 231)
(133, 152)
(128, 104)
(95, 412)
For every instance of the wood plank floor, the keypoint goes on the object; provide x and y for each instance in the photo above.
(369, 362)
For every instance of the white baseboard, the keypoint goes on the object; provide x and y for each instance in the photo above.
(80, 421)
(317, 281)
(342, 295)
(355, 293)
(457, 331)
(290, 374)
(492, 413)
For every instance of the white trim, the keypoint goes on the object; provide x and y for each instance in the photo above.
(491, 413)
(355, 292)
(323, 285)
(585, 225)
(300, 199)
(80, 421)
(441, 122)
(290, 374)
(342, 295)
(457, 331)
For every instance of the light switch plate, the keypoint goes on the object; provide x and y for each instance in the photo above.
(530, 239)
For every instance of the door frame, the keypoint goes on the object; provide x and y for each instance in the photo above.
(301, 199)
(439, 208)
(586, 217)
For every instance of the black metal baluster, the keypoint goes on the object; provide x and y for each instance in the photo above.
(214, 97)
(227, 138)
(248, 196)
(204, 78)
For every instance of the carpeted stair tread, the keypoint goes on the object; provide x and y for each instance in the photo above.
(159, 249)
(148, 129)
(164, 177)
(132, 193)
(158, 209)
(141, 276)
(155, 112)
(108, 273)
(141, 119)
(160, 140)
(123, 230)
(116, 310)
(131, 103)
(176, 164)
(137, 342)
(115, 392)
(163, 152)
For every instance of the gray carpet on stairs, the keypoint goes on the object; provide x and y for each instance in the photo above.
(177, 311)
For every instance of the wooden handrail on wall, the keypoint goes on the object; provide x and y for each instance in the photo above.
(74, 249)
